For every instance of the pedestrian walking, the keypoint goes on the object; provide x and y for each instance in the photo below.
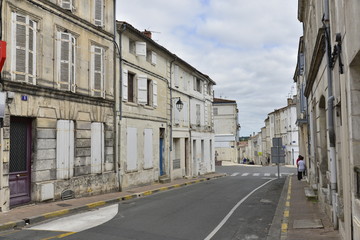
(301, 167)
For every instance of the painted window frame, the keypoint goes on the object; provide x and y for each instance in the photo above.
(70, 84)
(97, 58)
(29, 71)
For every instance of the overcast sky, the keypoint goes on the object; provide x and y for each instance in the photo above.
(248, 48)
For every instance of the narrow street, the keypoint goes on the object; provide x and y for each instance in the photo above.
(239, 206)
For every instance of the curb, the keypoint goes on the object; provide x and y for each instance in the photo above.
(275, 229)
(86, 207)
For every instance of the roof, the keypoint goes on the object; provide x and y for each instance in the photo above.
(122, 26)
(221, 100)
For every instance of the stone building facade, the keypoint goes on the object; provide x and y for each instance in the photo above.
(328, 68)
(58, 131)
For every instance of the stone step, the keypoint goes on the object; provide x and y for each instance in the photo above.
(310, 193)
(164, 179)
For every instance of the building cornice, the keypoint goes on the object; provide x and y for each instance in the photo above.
(318, 54)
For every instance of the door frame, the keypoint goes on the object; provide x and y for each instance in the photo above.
(13, 176)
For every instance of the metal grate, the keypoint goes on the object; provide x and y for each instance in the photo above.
(67, 194)
(18, 139)
(176, 163)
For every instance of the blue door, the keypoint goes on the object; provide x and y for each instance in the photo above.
(161, 156)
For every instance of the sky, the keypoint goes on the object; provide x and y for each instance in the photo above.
(249, 48)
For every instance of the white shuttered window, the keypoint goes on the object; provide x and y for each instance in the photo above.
(66, 56)
(99, 12)
(23, 66)
(64, 149)
(131, 156)
(142, 89)
(97, 147)
(148, 148)
(97, 71)
(125, 85)
(155, 100)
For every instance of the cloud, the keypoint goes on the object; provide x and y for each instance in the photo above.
(248, 48)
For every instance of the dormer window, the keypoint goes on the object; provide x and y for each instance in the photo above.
(67, 4)
(99, 13)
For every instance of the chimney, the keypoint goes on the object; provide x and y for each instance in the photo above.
(147, 33)
(289, 101)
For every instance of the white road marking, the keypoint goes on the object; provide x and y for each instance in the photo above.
(80, 222)
(233, 210)
(256, 174)
(266, 174)
(244, 174)
(235, 174)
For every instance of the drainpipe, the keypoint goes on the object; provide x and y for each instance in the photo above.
(118, 107)
(331, 129)
(171, 115)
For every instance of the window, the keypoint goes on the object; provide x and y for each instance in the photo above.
(97, 71)
(66, 61)
(198, 114)
(137, 48)
(215, 111)
(97, 147)
(197, 85)
(23, 66)
(176, 75)
(64, 149)
(99, 12)
(151, 57)
(209, 92)
(149, 93)
(132, 46)
(131, 87)
(67, 4)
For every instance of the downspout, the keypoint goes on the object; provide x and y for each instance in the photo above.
(118, 107)
(117, 112)
(171, 115)
(331, 129)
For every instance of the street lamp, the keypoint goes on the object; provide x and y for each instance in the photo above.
(179, 105)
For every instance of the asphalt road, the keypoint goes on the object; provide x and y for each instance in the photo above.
(239, 206)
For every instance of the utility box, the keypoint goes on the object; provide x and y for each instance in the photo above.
(2, 54)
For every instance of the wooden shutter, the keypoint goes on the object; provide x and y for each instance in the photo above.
(206, 113)
(142, 89)
(97, 147)
(148, 148)
(153, 58)
(125, 85)
(176, 75)
(140, 49)
(99, 12)
(131, 155)
(155, 97)
(198, 114)
(64, 149)
(24, 53)
(97, 71)
(185, 113)
(64, 69)
(66, 61)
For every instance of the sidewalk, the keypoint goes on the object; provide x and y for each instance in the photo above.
(34, 213)
(303, 219)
